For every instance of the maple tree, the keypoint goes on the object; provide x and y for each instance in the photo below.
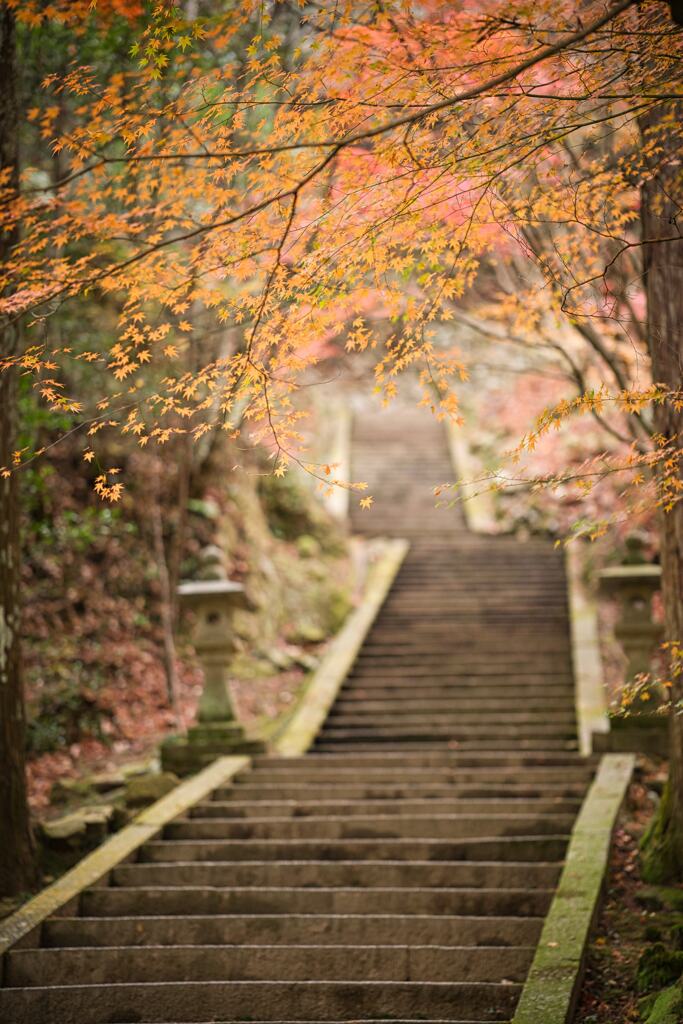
(295, 173)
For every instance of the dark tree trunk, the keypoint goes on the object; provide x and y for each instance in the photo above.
(662, 223)
(18, 871)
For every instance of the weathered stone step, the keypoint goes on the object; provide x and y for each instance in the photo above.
(366, 689)
(325, 874)
(374, 826)
(509, 848)
(558, 715)
(299, 929)
(397, 640)
(229, 809)
(344, 718)
(488, 662)
(386, 791)
(462, 627)
(437, 676)
(401, 704)
(373, 1021)
(428, 729)
(361, 690)
(325, 745)
(438, 671)
(369, 775)
(153, 901)
(197, 1001)
(508, 603)
(445, 759)
(109, 965)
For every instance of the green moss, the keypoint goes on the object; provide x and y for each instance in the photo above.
(676, 935)
(667, 1007)
(661, 897)
(662, 846)
(658, 967)
(293, 511)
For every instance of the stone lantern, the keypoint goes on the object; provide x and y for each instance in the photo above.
(214, 599)
(634, 585)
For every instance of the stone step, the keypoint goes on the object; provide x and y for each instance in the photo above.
(474, 661)
(559, 715)
(373, 1021)
(374, 826)
(459, 673)
(425, 711)
(450, 646)
(387, 791)
(402, 704)
(270, 1000)
(318, 873)
(231, 809)
(109, 965)
(293, 929)
(452, 682)
(463, 635)
(363, 715)
(446, 759)
(417, 776)
(325, 745)
(429, 729)
(510, 848)
(360, 691)
(183, 900)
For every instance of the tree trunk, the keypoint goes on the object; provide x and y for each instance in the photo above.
(18, 872)
(662, 223)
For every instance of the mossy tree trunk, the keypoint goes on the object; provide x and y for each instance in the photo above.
(662, 225)
(18, 871)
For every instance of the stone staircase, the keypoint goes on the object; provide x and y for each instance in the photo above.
(399, 871)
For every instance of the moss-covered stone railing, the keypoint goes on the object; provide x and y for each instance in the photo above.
(554, 981)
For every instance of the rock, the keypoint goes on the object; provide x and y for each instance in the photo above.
(280, 659)
(308, 633)
(307, 661)
(82, 828)
(104, 782)
(142, 767)
(145, 789)
(68, 789)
